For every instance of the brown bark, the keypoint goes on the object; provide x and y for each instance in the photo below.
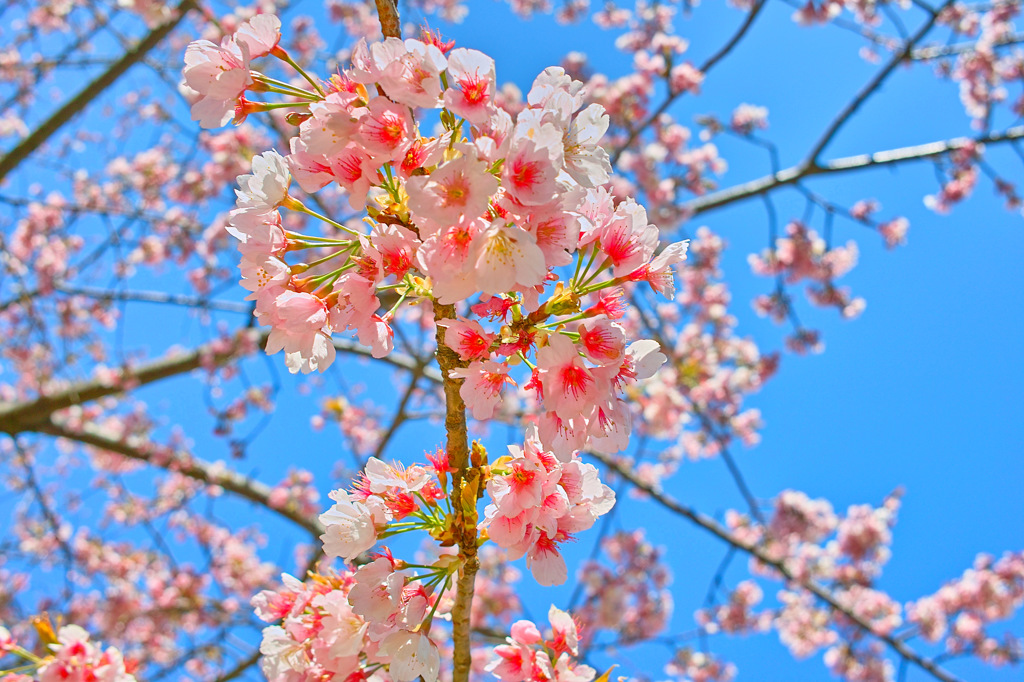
(390, 25)
(464, 477)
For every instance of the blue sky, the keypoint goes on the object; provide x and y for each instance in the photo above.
(923, 391)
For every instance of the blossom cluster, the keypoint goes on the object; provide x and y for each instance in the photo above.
(993, 589)
(528, 656)
(816, 544)
(630, 597)
(333, 627)
(848, 553)
(69, 656)
(384, 494)
(801, 255)
(538, 501)
(492, 205)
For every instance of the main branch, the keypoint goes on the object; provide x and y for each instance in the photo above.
(16, 417)
(462, 472)
(871, 88)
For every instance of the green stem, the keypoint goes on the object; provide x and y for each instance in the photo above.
(296, 205)
(282, 88)
(401, 299)
(601, 285)
(287, 58)
(528, 363)
(565, 320)
(593, 276)
(267, 106)
(302, 267)
(593, 255)
(430, 616)
(328, 278)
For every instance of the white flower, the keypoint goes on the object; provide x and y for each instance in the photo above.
(412, 655)
(585, 159)
(267, 185)
(349, 527)
(647, 358)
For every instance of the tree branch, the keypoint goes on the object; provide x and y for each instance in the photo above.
(184, 464)
(794, 174)
(871, 88)
(154, 297)
(17, 417)
(23, 416)
(240, 667)
(759, 553)
(465, 529)
(400, 416)
(708, 64)
(390, 25)
(79, 102)
(938, 51)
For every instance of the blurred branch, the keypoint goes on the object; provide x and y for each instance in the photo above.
(760, 553)
(61, 59)
(708, 64)
(16, 417)
(400, 416)
(240, 667)
(23, 416)
(938, 51)
(155, 297)
(871, 88)
(186, 465)
(794, 174)
(79, 102)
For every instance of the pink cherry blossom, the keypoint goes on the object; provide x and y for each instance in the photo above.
(532, 166)
(219, 74)
(505, 257)
(350, 527)
(473, 72)
(261, 34)
(570, 387)
(413, 656)
(298, 321)
(458, 189)
(76, 658)
(482, 385)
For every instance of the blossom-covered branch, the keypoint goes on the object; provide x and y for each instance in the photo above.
(795, 174)
(758, 551)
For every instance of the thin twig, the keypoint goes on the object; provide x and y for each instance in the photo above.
(708, 64)
(869, 89)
